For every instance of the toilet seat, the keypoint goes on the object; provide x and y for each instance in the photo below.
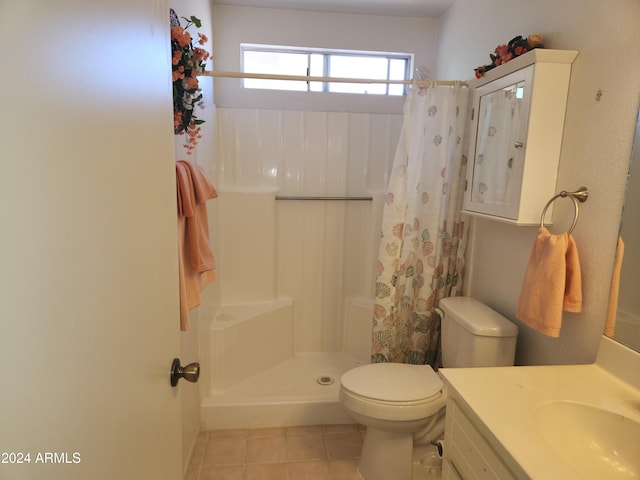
(392, 391)
(393, 382)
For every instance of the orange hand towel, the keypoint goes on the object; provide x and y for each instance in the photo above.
(195, 190)
(612, 312)
(552, 283)
(186, 202)
(195, 261)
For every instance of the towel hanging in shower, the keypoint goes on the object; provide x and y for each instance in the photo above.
(195, 259)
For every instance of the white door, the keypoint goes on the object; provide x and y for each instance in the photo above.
(88, 263)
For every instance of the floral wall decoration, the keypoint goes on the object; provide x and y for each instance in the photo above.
(188, 62)
(503, 53)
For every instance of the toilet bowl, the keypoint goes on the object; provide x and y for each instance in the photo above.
(399, 402)
(394, 401)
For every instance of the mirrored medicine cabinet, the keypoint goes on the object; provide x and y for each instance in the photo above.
(516, 135)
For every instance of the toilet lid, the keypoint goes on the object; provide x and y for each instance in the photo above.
(393, 382)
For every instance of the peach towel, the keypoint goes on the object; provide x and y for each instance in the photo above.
(552, 283)
(612, 312)
(196, 264)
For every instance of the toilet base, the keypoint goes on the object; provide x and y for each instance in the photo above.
(386, 455)
(427, 464)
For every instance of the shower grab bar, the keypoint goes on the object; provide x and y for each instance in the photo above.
(294, 197)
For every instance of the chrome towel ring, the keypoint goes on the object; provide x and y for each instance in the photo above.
(579, 195)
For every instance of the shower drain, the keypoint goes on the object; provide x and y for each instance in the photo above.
(325, 380)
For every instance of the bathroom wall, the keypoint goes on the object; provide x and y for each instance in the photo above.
(235, 25)
(595, 152)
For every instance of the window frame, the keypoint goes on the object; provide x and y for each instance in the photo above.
(327, 53)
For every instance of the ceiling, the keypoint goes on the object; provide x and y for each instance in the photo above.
(401, 8)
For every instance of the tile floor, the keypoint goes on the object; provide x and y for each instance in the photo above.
(327, 452)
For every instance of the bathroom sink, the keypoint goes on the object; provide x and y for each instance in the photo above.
(596, 443)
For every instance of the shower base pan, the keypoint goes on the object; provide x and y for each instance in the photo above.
(300, 391)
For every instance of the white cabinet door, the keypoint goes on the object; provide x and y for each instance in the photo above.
(468, 454)
(88, 260)
(516, 136)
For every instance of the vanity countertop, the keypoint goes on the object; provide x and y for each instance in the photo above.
(503, 401)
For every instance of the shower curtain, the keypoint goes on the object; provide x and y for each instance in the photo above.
(421, 253)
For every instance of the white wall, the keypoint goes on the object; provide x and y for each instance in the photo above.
(235, 25)
(595, 152)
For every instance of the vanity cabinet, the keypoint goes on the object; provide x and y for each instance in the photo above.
(516, 135)
(468, 454)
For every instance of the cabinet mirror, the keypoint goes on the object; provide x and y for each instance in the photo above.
(497, 144)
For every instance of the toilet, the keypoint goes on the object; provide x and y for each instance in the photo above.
(400, 403)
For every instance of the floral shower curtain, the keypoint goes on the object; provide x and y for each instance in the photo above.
(421, 255)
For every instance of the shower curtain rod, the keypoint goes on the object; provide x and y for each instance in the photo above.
(302, 78)
(318, 198)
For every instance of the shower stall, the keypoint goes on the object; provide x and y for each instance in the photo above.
(296, 276)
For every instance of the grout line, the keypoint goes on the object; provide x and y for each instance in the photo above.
(197, 466)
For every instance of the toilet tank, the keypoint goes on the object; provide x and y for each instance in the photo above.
(474, 335)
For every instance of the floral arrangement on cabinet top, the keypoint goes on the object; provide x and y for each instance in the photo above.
(188, 61)
(503, 53)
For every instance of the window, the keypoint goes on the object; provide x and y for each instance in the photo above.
(312, 62)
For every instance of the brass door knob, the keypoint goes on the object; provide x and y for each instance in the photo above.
(190, 372)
